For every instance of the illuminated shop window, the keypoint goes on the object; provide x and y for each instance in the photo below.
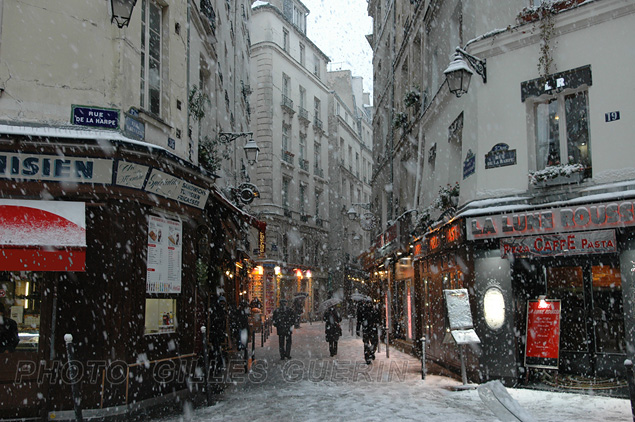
(21, 296)
(160, 316)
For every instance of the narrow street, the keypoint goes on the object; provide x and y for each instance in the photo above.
(312, 386)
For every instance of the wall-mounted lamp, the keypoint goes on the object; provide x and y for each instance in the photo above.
(366, 219)
(121, 11)
(458, 73)
(251, 148)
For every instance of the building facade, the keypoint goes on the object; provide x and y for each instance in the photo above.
(112, 232)
(290, 122)
(537, 184)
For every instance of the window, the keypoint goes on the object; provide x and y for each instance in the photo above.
(23, 292)
(316, 66)
(317, 152)
(302, 146)
(562, 140)
(285, 137)
(285, 192)
(318, 199)
(151, 19)
(302, 198)
(160, 316)
(302, 97)
(286, 82)
(299, 18)
(302, 55)
(285, 40)
(317, 105)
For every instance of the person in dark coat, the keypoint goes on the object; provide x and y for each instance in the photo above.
(9, 338)
(332, 328)
(218, 330)
(368, 321)
(283, 320)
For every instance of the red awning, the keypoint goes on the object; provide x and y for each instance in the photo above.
(42, 235)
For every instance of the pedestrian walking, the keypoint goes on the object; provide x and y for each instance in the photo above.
(367, 322)
(283, 320)
(9, 338)
(332, 328)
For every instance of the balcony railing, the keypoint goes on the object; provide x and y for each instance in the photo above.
(317, 123)
(303, 114)
(304, 164)
(287, 212)
(287, 103)
(318, 172)
(318, 221)
(304, 218)
(287, 156)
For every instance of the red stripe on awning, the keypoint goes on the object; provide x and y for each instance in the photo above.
(42, 235)
(37, 259)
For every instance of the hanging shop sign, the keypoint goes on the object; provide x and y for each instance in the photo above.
(444, 237)
(567, 219)
(95, 117)
(165, 239)
(559, 244)
(542, 349)
(500, 156)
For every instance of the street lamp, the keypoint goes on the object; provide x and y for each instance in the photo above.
(458, 73)
(251, 148)
(366, 220)
(121, 11)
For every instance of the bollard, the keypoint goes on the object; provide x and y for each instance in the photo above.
(74, 387)
(631, 384)
(423, 357)
(206, 367)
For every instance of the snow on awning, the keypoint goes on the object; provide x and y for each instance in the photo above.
(42, 235)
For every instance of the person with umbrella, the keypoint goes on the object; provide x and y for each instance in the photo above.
(368, 320)
(332, 328)
(283, 320)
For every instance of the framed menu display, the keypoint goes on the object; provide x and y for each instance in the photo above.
(165, 239)
(543, 333)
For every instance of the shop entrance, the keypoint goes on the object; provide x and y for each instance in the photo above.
(592, 316)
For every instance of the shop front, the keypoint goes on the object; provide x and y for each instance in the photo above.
(580, 255)
(100, 239)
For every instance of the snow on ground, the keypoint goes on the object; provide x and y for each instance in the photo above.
(312, 386)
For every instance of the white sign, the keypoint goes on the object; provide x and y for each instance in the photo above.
(55, 168)
(165, 239)
(131, 175)
(174, 188)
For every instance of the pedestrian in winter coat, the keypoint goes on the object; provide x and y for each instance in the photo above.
(9, 338)
(368, 321)
(283, 320)
(332, 328)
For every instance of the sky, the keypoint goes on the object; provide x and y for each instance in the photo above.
(315, 387)
(339, 29)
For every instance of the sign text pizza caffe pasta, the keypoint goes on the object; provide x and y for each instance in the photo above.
(555, 220)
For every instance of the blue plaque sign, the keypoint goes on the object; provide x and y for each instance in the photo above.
(500, 156)
(134, 128)
(469, 165)
(95, 117)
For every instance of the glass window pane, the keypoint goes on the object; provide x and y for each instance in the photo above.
(608, 312)
(577, 129)
(566, 284)
(160, 316)
(547, 134)
(23, 292)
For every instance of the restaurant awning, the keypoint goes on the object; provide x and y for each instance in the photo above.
(42, 235)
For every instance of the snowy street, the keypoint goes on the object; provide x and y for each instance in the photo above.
(312, 386)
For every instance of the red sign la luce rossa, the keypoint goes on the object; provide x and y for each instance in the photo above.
(543, 333)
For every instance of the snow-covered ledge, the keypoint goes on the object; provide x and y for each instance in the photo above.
(562, 174)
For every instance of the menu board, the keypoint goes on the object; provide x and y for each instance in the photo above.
(543, 333)
(165, 239)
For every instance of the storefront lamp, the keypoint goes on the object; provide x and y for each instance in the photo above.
(458, 74)
(251, 148)
(122, 11)
(494, 308)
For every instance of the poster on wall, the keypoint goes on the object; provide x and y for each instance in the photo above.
(542, 349)
(164, 255)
